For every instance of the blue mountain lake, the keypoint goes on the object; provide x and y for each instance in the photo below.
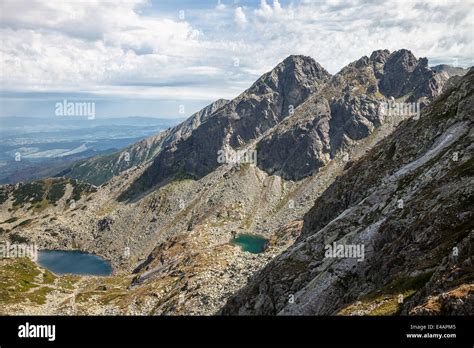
(251, 243)
(73, 262)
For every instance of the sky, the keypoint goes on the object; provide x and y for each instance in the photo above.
(169, 58)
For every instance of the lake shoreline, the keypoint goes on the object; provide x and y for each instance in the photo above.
(76, 262)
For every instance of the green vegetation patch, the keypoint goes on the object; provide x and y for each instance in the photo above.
(79, 189)
(23, 281)
(182, 175)
(40, 206)
(389, 299)
(16, 238)
(56, 191)
(3, 195)
(25, 222)
(66, 282)
(10, 220)
(111, 296)
(48, 277)
(17, 277)
(38, 296)
(31, 192)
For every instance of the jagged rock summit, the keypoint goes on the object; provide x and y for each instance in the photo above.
(266, 103)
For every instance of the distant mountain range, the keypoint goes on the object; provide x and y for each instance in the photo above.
(35, 148)
(377, 157)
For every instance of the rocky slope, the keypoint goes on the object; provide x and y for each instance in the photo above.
(408, 202)
(347, 109)
(177, 208)
(266, 103)
(100, 169)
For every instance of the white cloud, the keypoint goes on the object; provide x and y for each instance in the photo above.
(220, 6)
(240, 17)
(101, 46)
(45, 46)
(267, 11)
(338, 32)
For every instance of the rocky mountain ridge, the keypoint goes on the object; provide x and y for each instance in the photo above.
(98, 170)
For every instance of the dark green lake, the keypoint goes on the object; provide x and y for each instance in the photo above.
(73, 262)
(251, 243)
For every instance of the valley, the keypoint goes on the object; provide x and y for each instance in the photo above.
(37, 148)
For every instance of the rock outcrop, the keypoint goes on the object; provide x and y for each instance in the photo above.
(266, 103)
(349, 108)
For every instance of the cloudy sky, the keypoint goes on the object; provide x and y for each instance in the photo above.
(148, 58)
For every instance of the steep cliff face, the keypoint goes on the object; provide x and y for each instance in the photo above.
(408, 204)
(347, 109)
(300, 116)
(268, 101)
(403, 74)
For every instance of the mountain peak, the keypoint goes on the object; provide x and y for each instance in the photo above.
(300, 61)
(294, 70)
(406, 60)
(400, 71)
(380, 56)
